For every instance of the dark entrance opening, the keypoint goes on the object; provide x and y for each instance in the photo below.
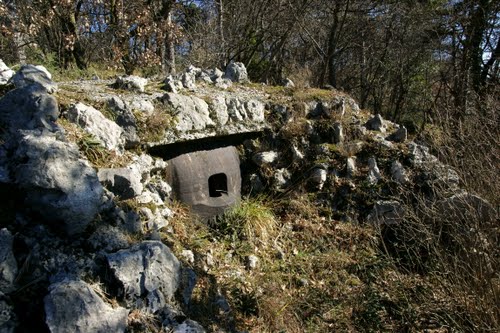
(217, 185)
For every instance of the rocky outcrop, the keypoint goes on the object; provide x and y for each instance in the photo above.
(131, 82)
(123, 182)
(146, 271)
(34, 75)
(236, 72)
(59, 186)
(93, 122)
(191, 112)
(74, 306)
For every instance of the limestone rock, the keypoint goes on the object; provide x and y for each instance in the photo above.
(172, 85)
(31, 74)
(5, 73)
(142, 105)
(281, 178)
(351, 166)
(252, 262)
(29, 107)
(218, 110)
(8, 264)
(464, 207)
(376, 123)
(123, 182)
(131, 82)
(109, 239)
(401, 135)
(398, 173)
(59, 186)
(373, 171)
(266, 157)
(318, 177)
(145, 268)
(191, 112)
(74, 306)
(255, 110)
(126, 120)
(386, 212)
(338, 133)
(237, 72)
(94, 122)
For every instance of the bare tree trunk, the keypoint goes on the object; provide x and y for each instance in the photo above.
(221, 33)
(168, 54)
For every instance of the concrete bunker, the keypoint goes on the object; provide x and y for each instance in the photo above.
(209, 181)
(205, 173)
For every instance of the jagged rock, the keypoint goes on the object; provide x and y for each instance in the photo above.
(223, 83)
(205, 77)
(386, 212)
(188, 255)
(29, 107)
(420, 154)
(401, 135)
(188, 78)
(142, 105)
(8, 264)
(318, 177)
(266, 157)
(252, 262)
(8, 320)
(123, 182)
(93, 122)
(109, 239)
(236, 109)
(255, 110)
(376, 123)
(287, 83)
(373, 171)
(281, 178)
(218, 110)
(5, 73)
(398, 173)
(31, 74)
(237, 72)
(126, 120)
(158, 186)
(215, 74)
(351, 166)
(148, 197)
(256, 185)
(191, 112)
(131, 82)
(338, 133)
(59, 186)
(464, 207)
(74, 306)
(143, 269)
(157, 220)
(172, 85)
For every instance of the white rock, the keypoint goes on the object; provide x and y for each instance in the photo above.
(266, 157)
(131, 82)
(318, 177)
(191, 112)
(5, 73)
(252, 262)
(351, 166)
(93, 122)
(398, 173)
(188, 255)
(218, 110)
(237, 72)
(373, 171)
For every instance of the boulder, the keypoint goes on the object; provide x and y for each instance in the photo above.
(351, 166)
(123, 182)
(93, 122)
(218, 110)
(31, 74)
(400, 135)
(126, 120)
(386, 212)
(8, 264)
(5, 73)
(131, 82)
(172, 85)
(237, 72)
(266, 157)
(373, 171)
(398, 172)
(318, 177)
(338, 133)
(29, 107)
(108, 238)
(143, 269)
(142, 105)
(59, 186)
(74, 306)
(255, 110)
(191, 112)
(376, 123)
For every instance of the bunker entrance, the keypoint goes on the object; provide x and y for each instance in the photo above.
(217, 185)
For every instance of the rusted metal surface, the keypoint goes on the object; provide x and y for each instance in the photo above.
(208, 180)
